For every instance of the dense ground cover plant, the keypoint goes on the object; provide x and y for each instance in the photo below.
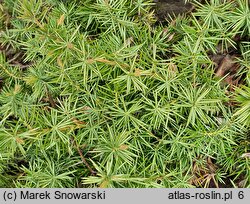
(96, 93)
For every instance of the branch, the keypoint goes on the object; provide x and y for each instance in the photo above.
(82, 157)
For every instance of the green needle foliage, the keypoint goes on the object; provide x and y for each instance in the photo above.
(96, 93)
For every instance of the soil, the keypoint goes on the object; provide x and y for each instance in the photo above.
(166, 9)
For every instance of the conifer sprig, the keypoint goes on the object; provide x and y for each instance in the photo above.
(97, 93)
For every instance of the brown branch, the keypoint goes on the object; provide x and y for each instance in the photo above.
(22, 66)
(51, 100)
(83, 158)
